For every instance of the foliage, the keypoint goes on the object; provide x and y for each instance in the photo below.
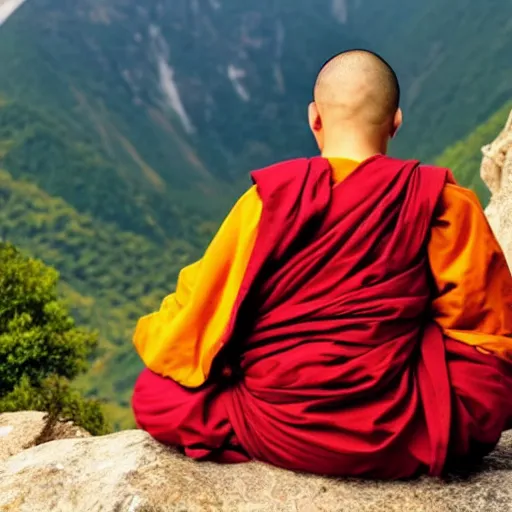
(40, 346)
(37, 335)
(66, 162)
(110, 277)
(59, 400)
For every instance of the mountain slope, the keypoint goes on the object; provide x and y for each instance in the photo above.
(109, 276)
(208, 88)
(182, 95)
(63, 159)
(453, 59)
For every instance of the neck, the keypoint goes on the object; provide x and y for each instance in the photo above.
(353, 147)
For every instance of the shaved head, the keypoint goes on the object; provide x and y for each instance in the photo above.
(357, 85)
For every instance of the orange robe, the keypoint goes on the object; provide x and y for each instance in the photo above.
(473, 305)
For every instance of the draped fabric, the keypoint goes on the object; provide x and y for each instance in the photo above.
(336, 365)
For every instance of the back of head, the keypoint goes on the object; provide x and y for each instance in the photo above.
(358, 90)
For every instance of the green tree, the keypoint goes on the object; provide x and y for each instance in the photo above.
(41, 349)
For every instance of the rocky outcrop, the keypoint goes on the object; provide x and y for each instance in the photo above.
(496, 171)
(129, 472)
(22, 430)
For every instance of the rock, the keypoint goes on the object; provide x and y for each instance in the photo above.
(496, 171)
(21, 430)
(129, 472)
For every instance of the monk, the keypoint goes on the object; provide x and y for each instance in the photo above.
(352, 316)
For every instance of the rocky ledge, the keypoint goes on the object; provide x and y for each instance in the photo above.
(130, 472)
(496, 172)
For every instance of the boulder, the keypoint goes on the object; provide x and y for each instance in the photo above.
(22, 430)
(130, 472)
(496, 171)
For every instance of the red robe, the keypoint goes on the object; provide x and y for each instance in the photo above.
(337, 367)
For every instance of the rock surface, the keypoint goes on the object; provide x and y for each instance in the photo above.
(129, 472)
(22, 430)
(496, 171)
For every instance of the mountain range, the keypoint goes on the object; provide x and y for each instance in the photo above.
(128, 128)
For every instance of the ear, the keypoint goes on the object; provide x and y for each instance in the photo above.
(316, 125)
(397, 122)
(315, 121)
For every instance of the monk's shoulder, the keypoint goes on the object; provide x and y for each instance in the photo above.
(456, 198)
(249, 199)
(248, 206)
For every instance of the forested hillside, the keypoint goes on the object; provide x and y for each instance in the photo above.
(453, 59)
(109, 276)
(175, 100)
(127, 128)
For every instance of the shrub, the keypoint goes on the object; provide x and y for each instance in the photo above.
(41, 348)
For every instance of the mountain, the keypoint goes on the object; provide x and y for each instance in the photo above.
(108, 276)
(127, 128)
(453, 60)
(178, 97)
(182, 97)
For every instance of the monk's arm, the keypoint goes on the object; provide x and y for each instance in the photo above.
(181, 339)
(474, 300)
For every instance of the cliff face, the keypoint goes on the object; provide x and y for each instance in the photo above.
(496, 171)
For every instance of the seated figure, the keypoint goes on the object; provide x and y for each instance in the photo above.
(351, 317)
